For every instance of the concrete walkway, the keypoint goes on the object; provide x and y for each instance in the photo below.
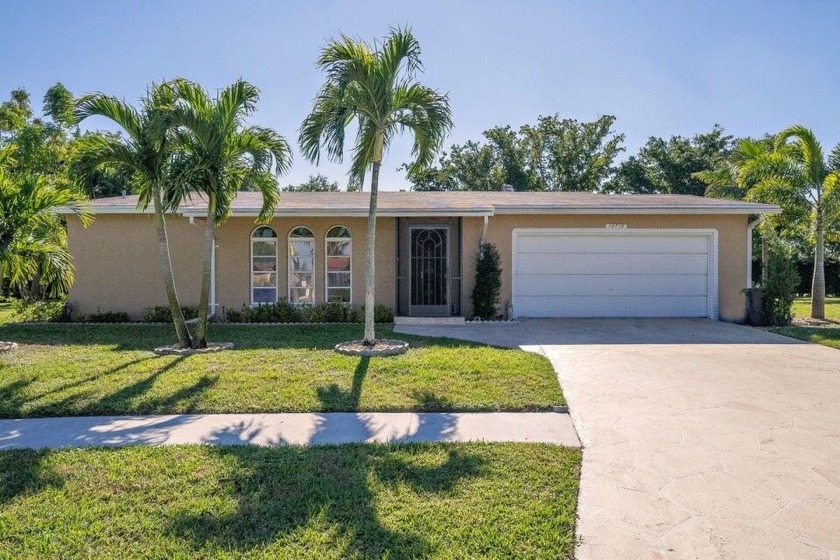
(283, 429)
(703, 440)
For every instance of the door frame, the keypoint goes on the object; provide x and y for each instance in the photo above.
(411, 306)
(711, 240)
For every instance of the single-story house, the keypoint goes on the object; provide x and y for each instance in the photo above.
(563, 254)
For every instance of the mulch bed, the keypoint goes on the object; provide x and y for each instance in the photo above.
(178, 351)
(7, 346)
(381, 347)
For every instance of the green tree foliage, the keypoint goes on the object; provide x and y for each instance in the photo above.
(315, 183)
(669, 166)
(58, 105)
(488, 282)
(552, 155)
(34, 155)
(374, 86)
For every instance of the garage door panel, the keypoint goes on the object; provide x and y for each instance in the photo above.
(618, 284)
(612, 263)
(612, 274)
(618, 306)
(547, 244)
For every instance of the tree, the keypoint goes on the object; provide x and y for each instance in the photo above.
(145, 153)
(374, 86)
(668, 166)
(801, 172)
(33, 243)
(567, 155)
(316, 183)
(552, 155)
(58, 105)
(221, 156)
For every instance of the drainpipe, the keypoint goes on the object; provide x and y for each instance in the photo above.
(484, 229)
(212, 311)
(750, 227)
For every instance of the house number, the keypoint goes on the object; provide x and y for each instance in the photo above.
(616, 226)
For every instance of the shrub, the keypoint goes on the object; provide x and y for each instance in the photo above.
(39, 311)
(279, 312)
(332, 312)
(160, 314)
(780, 288)
(488, 281)
(233, 316)
(106, 317)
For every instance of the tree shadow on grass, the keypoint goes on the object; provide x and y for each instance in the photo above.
(23, 471)
(329, 489)
(15, 397)
(334, 398)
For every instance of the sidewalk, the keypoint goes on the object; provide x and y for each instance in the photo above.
(285, 429)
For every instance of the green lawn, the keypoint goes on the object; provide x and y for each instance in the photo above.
(7, 313)
(827, 336)
(94, 370)
(353, 501)
(802, 308)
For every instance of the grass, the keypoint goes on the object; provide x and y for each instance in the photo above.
(827, 336)
(802, 308)
(447, 501)
(80, 370)
(7, 313)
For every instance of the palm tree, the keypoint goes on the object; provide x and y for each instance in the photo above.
(374, 86)
(146, 154)
(221, 156)
(33, 241)
(810, 178)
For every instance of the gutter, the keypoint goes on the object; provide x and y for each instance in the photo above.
(750, 227)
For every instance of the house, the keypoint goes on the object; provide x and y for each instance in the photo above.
(563, 254)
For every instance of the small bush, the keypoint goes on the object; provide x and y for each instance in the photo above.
(106, 317)
(279, 312)
(780, 288)
(160, 314)
(488, 281)
(381, 314)
(333, 312)
(233, 316)
(39, 311)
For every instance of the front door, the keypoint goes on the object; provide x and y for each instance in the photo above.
(429, 271)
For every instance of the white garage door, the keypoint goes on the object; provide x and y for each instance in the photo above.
(614, 273)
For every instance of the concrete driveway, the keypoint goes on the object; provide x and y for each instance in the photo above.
(702, 439)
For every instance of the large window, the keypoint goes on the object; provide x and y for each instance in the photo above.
(301, 266)
(263, 266)
(338, 261)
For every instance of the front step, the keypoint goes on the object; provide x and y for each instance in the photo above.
(449, 321)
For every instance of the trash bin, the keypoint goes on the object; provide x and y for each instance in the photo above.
(755, 306)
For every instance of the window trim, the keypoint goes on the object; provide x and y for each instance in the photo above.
(275, 240)
(327, 239)
(289, 286)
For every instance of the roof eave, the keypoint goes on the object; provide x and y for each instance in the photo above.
(741, 209)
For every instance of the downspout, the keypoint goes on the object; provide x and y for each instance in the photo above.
(212, 312)
(484, 229)
(750, 227)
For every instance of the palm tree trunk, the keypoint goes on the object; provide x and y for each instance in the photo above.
(204, 297)
(818, 283)
(370, 258)
(181, 330)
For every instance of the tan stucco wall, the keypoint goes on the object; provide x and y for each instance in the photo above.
(732, 247)
(117, 266)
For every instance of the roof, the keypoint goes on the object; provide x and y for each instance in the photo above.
(472, 203)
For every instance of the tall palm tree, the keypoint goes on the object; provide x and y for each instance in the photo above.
(373, 86)
(146, 153)
(33, 241)
(743, 176)
(811, 178)
(221, 156)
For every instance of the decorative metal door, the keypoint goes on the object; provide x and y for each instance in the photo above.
(429, 272)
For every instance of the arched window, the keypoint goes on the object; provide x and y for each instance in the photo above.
(338, 255)
(301, 266)
(263, 265)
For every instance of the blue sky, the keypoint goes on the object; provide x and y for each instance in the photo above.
(661, 68)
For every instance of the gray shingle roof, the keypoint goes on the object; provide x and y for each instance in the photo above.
(461, 203)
